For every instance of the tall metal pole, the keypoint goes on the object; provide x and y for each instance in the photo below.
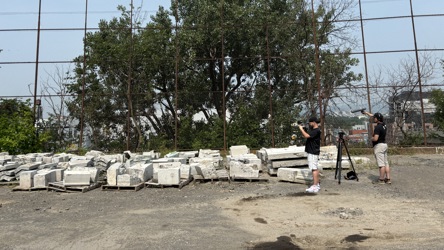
(419, 74)
(37, 63)
(270, 88)
(176, 79)
(223, 76)
(84, 76)
(130, 102)
(369, 127)
(318, 77)
(365, 59)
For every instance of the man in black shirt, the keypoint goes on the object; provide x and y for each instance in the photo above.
(313, 148)
(380, 147)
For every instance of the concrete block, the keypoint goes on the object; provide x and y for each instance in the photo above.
(285, 163)
(94, 172)
(142, 171)
(241, 170)
(127, 180)
(77, 178)
(9, 166)
(43, 177)
(168, 176)
(239, 150)
(27, 178)
(59, 174)
(185, 171)
(208, 153)
(112, 173)
(206, 171)
(285, 153)
(296, 175)
(331, 164)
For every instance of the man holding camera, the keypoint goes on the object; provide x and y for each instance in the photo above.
(313, 148)
(380, 147)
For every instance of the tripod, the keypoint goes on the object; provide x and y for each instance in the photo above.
(339, 158)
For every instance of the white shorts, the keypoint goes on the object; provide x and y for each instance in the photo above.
(380, 150)
(313, 161)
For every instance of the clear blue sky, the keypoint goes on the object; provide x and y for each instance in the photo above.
(20, 46)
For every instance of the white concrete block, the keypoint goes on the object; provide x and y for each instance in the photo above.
(239, 150)
(185, 171)
(127, 180)
(112, 173)
(168, 176)
(59, 174)
(285, 153)
(43, 177)
(296, 175)
(142, 171)
(241, 170)
(27, 178)
(77, 178)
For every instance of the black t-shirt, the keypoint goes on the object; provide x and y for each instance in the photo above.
(313, 143)
(381, 130)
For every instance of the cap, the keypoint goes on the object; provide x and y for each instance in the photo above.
(379, 117)
(313, 119)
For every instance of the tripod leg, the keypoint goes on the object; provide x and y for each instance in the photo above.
(339, 162)
(351, 162)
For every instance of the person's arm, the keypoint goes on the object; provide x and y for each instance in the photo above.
(367, 113)
(304, 133)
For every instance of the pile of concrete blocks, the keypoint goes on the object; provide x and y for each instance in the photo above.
(208, 165)
(131, 170)
(8, 165)
(242, 163)
(12, 165)
(275, 158)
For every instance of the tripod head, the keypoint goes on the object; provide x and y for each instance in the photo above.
(341, 135)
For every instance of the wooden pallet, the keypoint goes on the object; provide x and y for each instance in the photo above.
(9, 183)
(182, 183)
(200, 178)
(18, 188)
(248, 179)
(58, 186)
(123, 188)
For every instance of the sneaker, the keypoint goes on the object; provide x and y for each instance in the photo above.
(313, 189)
(381, 181)
(387, 181)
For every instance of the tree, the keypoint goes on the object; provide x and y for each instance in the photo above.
(59, 124)
(18, 134)
(437, 98)
(397, 88)
(245, 68)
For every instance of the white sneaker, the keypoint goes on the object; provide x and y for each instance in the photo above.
(313, 189)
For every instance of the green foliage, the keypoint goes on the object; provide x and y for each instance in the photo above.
(17, 132)
(412, 139)
(157, 79)
(342, 122)
(437, 98)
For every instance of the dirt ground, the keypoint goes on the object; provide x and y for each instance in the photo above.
(408, 214)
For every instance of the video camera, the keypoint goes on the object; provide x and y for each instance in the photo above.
(358, 110)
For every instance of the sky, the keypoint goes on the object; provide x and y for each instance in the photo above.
(18, 41)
